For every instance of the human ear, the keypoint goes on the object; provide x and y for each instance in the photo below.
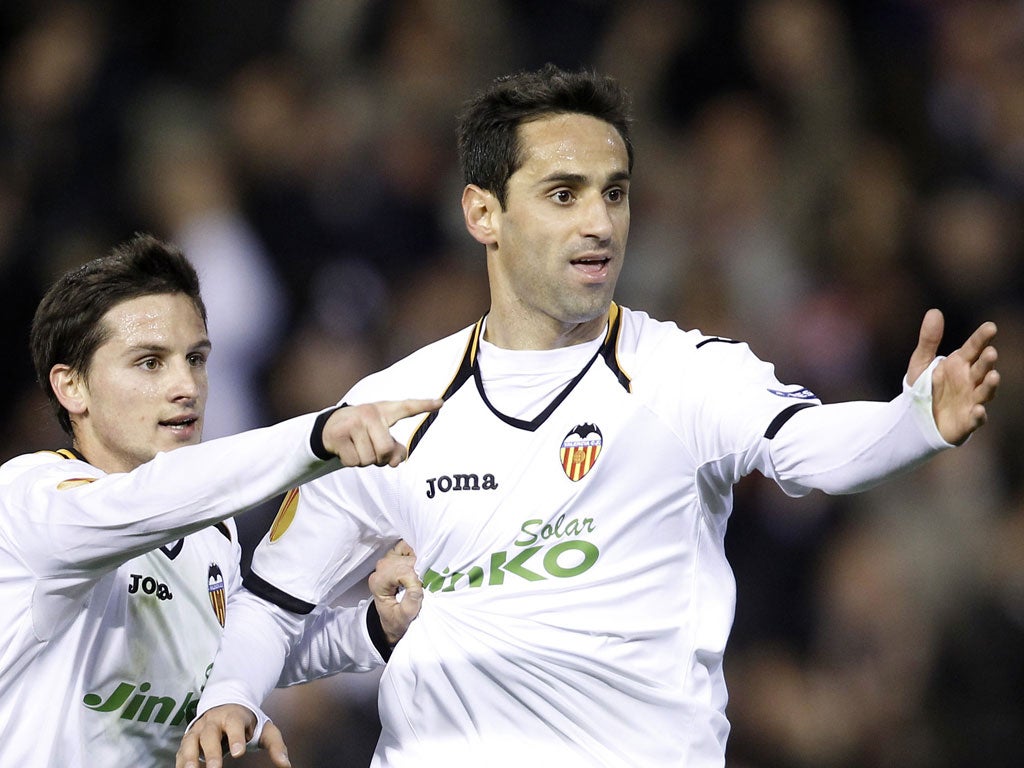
(69, 387)
(478, 208)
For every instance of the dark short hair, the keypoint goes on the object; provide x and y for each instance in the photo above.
(67, 327)
(488, 135)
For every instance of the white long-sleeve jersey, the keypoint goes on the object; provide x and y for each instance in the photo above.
(113, 591)
(568, 510)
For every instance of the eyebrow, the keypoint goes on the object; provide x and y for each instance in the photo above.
(205, 346)
(578, 179)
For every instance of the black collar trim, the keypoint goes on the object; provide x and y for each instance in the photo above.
(469, 367)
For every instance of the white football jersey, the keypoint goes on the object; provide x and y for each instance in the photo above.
(578, 598)
(113, 592)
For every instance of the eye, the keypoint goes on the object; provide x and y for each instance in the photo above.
(197, 360)
(562, 196)
(149, 363)
(616, 195)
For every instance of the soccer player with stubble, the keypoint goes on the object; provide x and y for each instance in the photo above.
(568, 506)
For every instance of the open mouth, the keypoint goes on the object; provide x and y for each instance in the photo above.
(591, 263)
(180, 423)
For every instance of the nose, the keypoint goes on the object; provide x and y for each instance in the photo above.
(187, 381)
(596, 219)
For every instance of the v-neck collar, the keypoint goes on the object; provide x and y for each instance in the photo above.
(469, 368)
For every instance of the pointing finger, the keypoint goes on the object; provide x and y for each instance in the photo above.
(396, 410)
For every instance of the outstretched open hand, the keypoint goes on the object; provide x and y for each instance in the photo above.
(963, 382)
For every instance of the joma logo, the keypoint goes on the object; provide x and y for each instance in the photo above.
(459, 482)
(149, 586)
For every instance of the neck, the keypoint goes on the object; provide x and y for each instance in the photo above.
(508, 332)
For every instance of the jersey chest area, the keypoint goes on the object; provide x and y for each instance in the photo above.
(596, 476)
(180, 587)
(159, 626)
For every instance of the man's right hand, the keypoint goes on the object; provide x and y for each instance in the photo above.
(231, 725)
(360, 435)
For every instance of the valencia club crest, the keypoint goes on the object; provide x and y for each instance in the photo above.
(580, 449)
(218, 598)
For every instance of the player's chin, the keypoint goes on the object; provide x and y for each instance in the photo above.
(590, 304)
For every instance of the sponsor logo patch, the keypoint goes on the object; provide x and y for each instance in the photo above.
(143, 706)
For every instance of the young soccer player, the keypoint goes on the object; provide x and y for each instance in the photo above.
(118, 557)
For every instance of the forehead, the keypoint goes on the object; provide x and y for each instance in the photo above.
(571, 141)
(162, 318)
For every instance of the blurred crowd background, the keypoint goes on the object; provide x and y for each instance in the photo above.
(811, 176)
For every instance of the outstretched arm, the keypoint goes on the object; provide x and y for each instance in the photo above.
(850, 447)
(963, 382)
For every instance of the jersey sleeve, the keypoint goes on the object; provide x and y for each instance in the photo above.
(333, 640)
(66, 518)
(750, 401)
(325, 539)
(725, 404)
(850, 447)
(747, 420)
(255, 643)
